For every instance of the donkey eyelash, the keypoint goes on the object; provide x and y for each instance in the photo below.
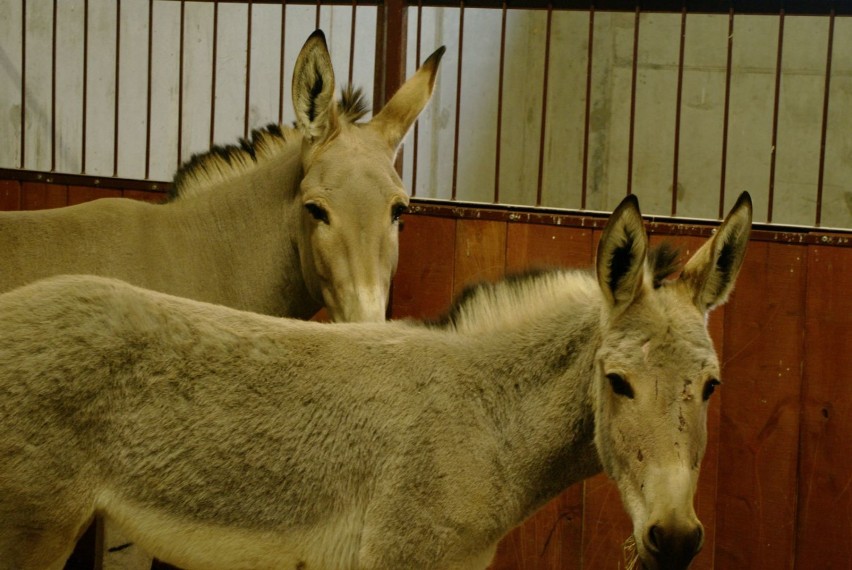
(709, 388)
(620, 386)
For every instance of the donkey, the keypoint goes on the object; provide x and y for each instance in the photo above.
(220, 439)
(284, 224)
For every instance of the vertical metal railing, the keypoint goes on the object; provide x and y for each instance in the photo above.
(390, 72)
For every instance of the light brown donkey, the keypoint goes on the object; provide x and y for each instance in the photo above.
(219, 439)
(283, 224)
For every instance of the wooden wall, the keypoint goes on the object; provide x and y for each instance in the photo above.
(776, 483)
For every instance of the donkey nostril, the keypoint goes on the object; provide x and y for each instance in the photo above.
(654, 538)
(699, 539)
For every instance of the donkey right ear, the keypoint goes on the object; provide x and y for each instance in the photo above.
(397, 116)
(313, 91)
(621, 254)
(712, 270)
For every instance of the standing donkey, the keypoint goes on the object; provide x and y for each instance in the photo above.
(220, 439)
(286, 223)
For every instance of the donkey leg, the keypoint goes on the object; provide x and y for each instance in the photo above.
(120, 553)
(38, 545)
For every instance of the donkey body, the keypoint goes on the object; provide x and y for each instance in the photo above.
(286, 223)
(222, 439)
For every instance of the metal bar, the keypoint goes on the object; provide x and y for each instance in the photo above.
(824, 129)
(757, 7)
(180, 86)
(678, 110)
(458, 102)
(53, 92)
(543, 129)
(500, 105)
(352, 42)
(85, 82)
(587, 125)
(633, 102)
(213, 72)
(774, 154)
(391, 30)
(416, 123)
(24, 83)
(248, 72)
(281, 63)
(117, 83)
(727, 111)
(319, 5)
(148, 101)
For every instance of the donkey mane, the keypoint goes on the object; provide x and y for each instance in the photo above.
(221, 163)
(525, 295)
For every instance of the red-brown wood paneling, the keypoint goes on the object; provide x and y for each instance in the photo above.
(41, 196)
(764, 328)
(532, 246)
(480, 252)
(825, 474)
(80, 194)
(10, 195)
(423, 285)
(549, 540)
(145, 196)
(776, 484)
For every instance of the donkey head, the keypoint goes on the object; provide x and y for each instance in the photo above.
(655, 372)
(351, 195)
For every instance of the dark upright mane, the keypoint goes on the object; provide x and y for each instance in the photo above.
(223, 161)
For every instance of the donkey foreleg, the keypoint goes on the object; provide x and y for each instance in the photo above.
(120, 552)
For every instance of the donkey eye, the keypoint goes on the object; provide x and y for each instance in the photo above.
(397, 211)
(620, 386)
(318, 212)
(709, 388)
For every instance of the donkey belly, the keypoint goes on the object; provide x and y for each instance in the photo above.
(193, 545)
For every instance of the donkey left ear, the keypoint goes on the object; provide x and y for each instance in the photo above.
(313, 91)
(621, 254)
(712, 270)
(397, 116)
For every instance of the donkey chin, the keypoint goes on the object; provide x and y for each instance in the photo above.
(668, 534)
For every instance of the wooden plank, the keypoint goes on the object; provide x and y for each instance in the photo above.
(532, 246)
(80, 194)
(549, 540)
(756, 500)
(423, 285)
(825, 470)
(10, 195)
(41, 196)
(153, 197)
(605, 525)
(480, 252)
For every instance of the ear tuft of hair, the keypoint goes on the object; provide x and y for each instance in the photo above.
(663, 261)
(353, 103)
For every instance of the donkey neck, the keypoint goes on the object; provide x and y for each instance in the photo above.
(243, 230)
(542, 408)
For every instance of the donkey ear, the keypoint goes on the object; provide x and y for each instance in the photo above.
(621, 254)
(313, 91)
(712, 270)
(397, 116)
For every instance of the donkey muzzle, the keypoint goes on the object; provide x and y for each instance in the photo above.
(670, 547)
